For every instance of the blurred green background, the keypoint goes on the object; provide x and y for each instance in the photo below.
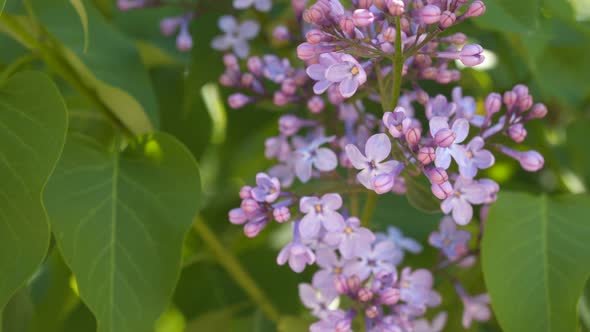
(544, 44)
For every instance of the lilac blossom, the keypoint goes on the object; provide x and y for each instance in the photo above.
(312, 155)
(397, 122)
(267, 190)
(335, 321)
(475, 308)
(452, 241)
(315, 299)
(401, 242)
(275, 68)
(336, 68)
(351, 239)
(320, 212)
(438, 324)
(371, 164)
(331, 267)
(236, 35)
(447, 139)
(377, 259)
(296, 253)
(416, 288)
(260, 5)
(465, 193)
(473, 157)
(466, 107)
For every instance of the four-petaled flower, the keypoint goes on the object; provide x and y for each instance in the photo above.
(267, 190)
(320, 212)
(351, 239)
(452, 241)
(260, 5)
(377, 259)
(397, 122)
(315, 299)
(476, 308)
(323, 159)
(377, 149)
(465, 193)
(337, 68)
(447, 139)
(401, 242)
(236, 35)
(473, 157)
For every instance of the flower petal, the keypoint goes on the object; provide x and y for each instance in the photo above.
(378, 147)
(461, 129)
(325, 160)
(309, 227)
(227, 23)
(249, 29)
(437, 123)
(462, 212)
(332, 201)
(348, 87)
(338, 72)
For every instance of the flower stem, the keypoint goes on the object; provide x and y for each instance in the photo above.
(369, 208)
(398, 64)
(231, 264)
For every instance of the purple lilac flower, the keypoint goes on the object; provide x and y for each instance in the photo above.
(315, 299)
(336, 68)
(440, 106)
(466, 107)
(397, 122)
(320, 212)
(386, 324)
(473, 157)
(311, 155)
(438, 324)
(475, 308)
(351, 239)
(452, 241)
(236, 35)
(377, 259)
(377, 149)
(335, 321)
(416, 289)
(331, 267)
(402, 243)
(275, 68)
(465, 193)
(267, 190)
(447, 139)
(260, 5)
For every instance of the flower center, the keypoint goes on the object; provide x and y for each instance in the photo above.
(318, 208)
(469, 154)
(337, 270)
(372, 164)
(354, 71)
(348, 230)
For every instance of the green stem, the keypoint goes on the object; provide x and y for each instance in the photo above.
(17, 65)
(398, 64)
(369, 208)
(231, 264)
(584, 311)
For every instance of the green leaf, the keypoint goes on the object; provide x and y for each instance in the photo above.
(2, 4)
(81, 10)
(510, 16)
(120, 81)
(293, 324)
(535, 254)
(420, 196)
(32, 135)
(119, 219)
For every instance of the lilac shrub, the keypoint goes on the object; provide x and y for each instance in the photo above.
(377, 51)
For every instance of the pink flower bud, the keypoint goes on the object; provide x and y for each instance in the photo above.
(413, 136)
(247, 80)
(372, 312)
(525, 103)
(447, 19)
(231, 61)
(362, 17)
(389, 296)
(444, 137)
(289, 124)
(396, 7)
(227, 80)
(281, 33)
(315, 36)
(250, 206)
(422, 97)
(246, 192)
(531, 161)
(430, 14)
(238, 100)
(539, 111)
(306, 52)
(459, 39)
(169, 25)
(426, 155)
(288, 86)
(184, 40)
(475, 9)
(521, 90)
(341, 284)
(313, 15)
(442, 190)
(353, 283)
(365, 4)
(381, 4)
(438, 175)
(510, 98)
(444, 76)
(316, 104)
(471, 55)
(281, 214)
(237, 216)
(389, 34)
(493, 104)
(347, 25)
(383, 183)
(253, 228)
(365, 295)
(280, 99)
(517, 132)
(255, 65)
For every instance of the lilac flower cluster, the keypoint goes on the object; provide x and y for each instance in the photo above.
(378, 52)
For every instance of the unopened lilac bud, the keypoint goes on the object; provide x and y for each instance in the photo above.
(362, 17)
(396, 7)
(444, 137)
(184, 40)
(246, 192)
(238, 100)
(281, 33)
(475, 9)
(249, 206)
(347, 25)
(389, 296)
(237, 216)
(227, 80)
(381, 4)
(289, 86)
(430, 14)
(253, 228)
(539, 111)
(353, 283)
(125, 5)
(282, 214)
(255, 65)
(447, 19)
(313, 16)
(341, 284)
(365, 4)
(510, 98)
(413, 136)
(389, 34)
(316, 104)
(442, 190)
(280, 99)
(471, 55)
(517, 132)
(383, 183)
(444, 76)
(493, 104)
(531, 161)
(426, 155)
(247, 80)
(459, 39)
(306, 51)
(315, 36)
(438, 175)
(372, 312)
(521, 90)
(422, 97)
(430, 73)
(365, 295)
(289, 124)
(169, 25)
(525, 103)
